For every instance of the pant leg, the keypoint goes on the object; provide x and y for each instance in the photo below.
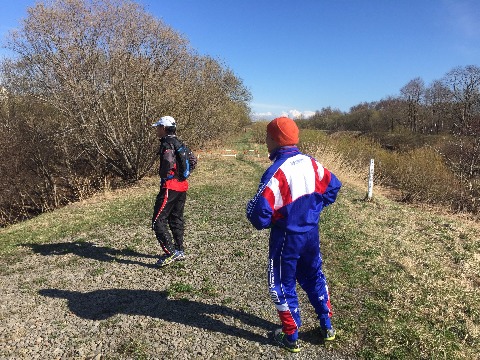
(161, 212)
(176, 220)
(312, 279)
(283, 257)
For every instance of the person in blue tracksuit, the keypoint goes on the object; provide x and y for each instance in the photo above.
(291, 195)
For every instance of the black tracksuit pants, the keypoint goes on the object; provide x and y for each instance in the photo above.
(168, 214)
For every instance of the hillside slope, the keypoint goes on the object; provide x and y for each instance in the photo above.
(81, 282)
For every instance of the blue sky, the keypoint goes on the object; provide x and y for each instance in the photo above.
(297, 57)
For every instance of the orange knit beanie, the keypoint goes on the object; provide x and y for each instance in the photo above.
(283, 130)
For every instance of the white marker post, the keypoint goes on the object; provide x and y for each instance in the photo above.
(370, 180)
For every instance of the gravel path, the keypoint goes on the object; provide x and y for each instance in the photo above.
(79, 304)
(99, 296)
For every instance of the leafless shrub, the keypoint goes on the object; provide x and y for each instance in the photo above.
(105, 70)
(99, 66)
(420, 175)
(259, 131)
(38, 172)
(110, 69)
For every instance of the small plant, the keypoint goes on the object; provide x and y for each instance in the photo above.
(180, 288)
(208, 288)
(98, 271)
(134, 348)
(227, 300)
(40, 281)
(239, 253)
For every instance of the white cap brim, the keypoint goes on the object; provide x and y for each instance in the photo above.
(166, 121)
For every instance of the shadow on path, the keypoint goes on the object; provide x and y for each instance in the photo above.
(102, 304)
(91, 251)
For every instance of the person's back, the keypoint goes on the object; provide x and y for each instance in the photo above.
(297, 191)
(290, 198)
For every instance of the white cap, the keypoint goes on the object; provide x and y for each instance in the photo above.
(166, 121)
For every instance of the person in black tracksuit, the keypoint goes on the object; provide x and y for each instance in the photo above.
(170, 201)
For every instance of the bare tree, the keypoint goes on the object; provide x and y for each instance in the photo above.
(413, 93)
(464, 83)
(391, 109)
(105, 70)
(438, 99)
(109, 69)
(103, 66)
(213, 100)
(366, 118)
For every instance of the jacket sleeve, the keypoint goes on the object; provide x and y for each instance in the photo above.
(330, 194)
(259, 211)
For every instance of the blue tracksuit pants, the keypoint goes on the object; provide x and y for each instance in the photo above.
(296, 257)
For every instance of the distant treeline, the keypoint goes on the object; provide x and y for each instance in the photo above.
(443, 117)
(449, 105)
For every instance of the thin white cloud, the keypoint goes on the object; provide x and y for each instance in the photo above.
(293, 114)
(308, 113)
(462, 19)
(296, 114)
(263, 115)
(265, 111)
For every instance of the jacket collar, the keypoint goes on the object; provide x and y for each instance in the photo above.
(284, 151)
(168, 136)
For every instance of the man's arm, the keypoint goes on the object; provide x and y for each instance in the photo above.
(259, 211)
(330, 194)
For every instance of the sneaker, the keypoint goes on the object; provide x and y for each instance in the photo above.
(167, 259)
(180, 256)
(328, 334)
(281, 339)
(160, 257)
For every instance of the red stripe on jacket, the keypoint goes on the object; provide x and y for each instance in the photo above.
(321, 184)
(283, 187)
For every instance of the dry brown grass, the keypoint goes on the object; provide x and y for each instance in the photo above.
(415, 274)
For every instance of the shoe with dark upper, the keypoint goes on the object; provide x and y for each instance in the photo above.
(328, 334)
(281, 339)
(168, 259)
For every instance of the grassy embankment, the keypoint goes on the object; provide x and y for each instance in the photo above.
(404, 281)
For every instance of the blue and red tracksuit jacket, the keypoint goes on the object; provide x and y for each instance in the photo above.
(292, 192)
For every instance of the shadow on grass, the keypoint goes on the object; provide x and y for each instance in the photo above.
(102, 304)
(312, 336)
(90, 251)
